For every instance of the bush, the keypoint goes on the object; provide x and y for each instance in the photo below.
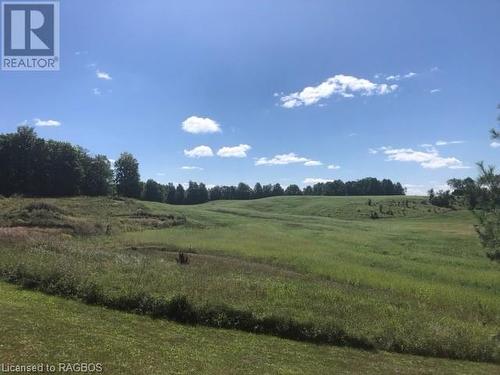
(182, 258)
(441, 198)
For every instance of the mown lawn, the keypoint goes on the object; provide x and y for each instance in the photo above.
(38, 328)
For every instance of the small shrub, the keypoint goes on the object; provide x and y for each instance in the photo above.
(182, 258)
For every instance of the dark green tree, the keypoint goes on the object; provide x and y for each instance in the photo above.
(153, 191)
(179, 194)
(127, 176)
(243, 191)
(202, 193)
(98, 175)
(170, 193)
(277, 190)
(257, 191)
(267, 190)
(293, 190)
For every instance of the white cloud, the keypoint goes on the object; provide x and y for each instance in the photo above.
(435, 91)
(234, 152)
(426, 145)
(103, 75)
(199, 152)
(312, 181)
(372, 151)
(313, 163)
(446, 143)
(333, 166)
(342, 85)
(399, 77)
(495, 144)
(393, 78)
(96, 91)
(199, 125)
(429, 159)
(285, 159)
(434, 69)
(191, 168)
(38, 122)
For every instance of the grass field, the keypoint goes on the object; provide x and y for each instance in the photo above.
(414, 281)
(39, 328)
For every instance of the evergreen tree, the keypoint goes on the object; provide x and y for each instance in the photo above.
(179, 194)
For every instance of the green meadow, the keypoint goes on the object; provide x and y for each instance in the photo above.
(320, 270)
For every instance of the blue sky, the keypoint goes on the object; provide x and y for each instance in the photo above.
(277, 91)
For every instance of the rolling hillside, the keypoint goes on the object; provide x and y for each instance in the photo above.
(318, 269)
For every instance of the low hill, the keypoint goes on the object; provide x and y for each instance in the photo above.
(364, 207)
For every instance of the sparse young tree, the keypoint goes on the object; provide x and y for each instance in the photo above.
(488, 227)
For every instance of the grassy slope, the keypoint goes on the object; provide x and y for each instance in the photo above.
(38, 328)
(415, 281)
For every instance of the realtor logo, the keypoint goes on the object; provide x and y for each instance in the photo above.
(30, 39)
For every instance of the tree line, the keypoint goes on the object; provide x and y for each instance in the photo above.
(33, 166)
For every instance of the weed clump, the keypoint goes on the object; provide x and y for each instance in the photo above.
(182, 259)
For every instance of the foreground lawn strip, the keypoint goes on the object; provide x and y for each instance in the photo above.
(47, 329)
